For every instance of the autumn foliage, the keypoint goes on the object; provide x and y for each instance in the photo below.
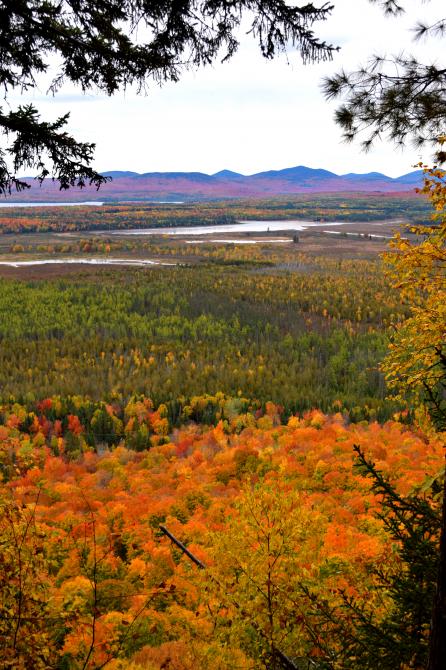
(115, 588)
(137, 401)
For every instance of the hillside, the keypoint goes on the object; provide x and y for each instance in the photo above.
(97, 526)
(129, 186)
(228, 385)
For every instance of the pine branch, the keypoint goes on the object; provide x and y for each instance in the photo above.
(35, 142)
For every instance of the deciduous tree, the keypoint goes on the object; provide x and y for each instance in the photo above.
(24, 584)
(266, 549)
(416, 364)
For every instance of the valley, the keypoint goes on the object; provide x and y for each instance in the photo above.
(172, 365)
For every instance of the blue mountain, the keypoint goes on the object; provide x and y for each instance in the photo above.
(296, 174)
(193, 176)
(368, 176)
(116, 174)
(414, 178)
(228, 174)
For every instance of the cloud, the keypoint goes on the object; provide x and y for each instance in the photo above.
(248, 114)
(57, 99)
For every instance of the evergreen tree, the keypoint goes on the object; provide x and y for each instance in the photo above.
(109, 45)
(356, 636)
(397, 97)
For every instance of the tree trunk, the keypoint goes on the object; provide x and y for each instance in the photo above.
(437, 641)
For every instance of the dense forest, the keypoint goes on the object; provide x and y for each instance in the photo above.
(307, 334)
(202, 464)
(261, 502)
(347, 207)
(221, 453)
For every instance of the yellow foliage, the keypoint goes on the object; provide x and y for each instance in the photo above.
(416, 363)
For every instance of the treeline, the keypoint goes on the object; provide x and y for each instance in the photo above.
(347, 207)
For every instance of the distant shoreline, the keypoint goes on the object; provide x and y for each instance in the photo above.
(14, 205)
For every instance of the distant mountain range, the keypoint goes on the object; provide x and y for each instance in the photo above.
(174, 186)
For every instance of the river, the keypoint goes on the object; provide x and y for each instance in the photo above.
(138, 262)
(11, 205)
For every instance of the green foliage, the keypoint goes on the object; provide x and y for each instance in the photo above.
(395, 96)
(317, 207)
(301, 339)
(33, 139)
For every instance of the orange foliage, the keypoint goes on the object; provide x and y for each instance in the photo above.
(101, 511)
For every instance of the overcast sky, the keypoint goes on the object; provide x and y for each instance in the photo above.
(249, 114)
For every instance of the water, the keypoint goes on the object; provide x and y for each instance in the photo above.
(93, 203)
(239, 227)
(365, 235)
(238, 241)
(151, 202)
(10, 205)
(138, 262)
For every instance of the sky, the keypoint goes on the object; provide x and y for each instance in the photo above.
(249, 114)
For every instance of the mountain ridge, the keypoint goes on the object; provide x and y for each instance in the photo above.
(128, 185)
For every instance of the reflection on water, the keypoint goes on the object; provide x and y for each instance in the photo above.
(92, 203)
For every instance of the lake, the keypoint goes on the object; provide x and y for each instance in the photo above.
(239, 227)
(138, 262)
(10, 205)
(91, 203)
(236, 240)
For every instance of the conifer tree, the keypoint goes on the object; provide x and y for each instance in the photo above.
(416, 364)
(110, 45)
